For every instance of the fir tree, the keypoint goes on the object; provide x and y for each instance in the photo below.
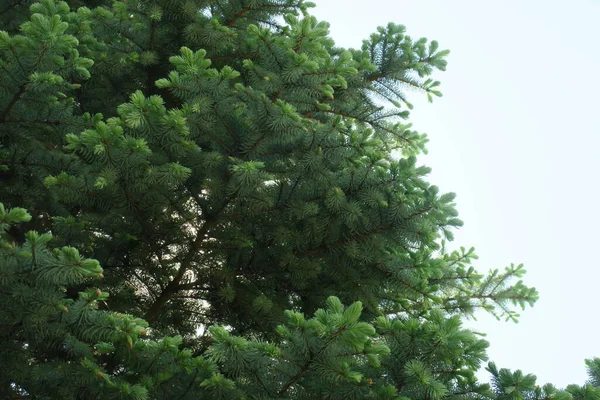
(518, 386)
(227, 165)
(264, 183)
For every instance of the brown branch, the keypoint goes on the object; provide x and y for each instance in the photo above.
(37, 121)
(152, 34)
(485, 297)
(306, 366)
(373, 124)
(294, 379)
(12, 102)
(238, 16)
(175, 285)
(375, 77)
(402, 281)
(299, 44)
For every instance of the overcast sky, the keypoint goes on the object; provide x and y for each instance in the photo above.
(516, 137)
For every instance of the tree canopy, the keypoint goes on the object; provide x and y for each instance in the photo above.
(209, 199)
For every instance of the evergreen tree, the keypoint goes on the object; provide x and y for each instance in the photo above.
(519, 386)
(263, 184)
(60, 347)
(227, 165)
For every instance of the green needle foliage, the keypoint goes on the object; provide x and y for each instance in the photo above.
(239, 178)
(519, 386)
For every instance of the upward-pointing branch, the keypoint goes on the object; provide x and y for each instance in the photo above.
(175, 285)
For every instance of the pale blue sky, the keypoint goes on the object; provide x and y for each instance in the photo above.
(516, 137)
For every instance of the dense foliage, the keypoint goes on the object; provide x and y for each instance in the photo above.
(207, 184)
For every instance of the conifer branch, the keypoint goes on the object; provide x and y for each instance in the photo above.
(325, 247)
(306, 366)
(238, 16)
(175, 284)
(12, 102)
(12, 50)
(402, 281)
(372, 123)
(149, 190)
(189, 387)
(11, 7)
